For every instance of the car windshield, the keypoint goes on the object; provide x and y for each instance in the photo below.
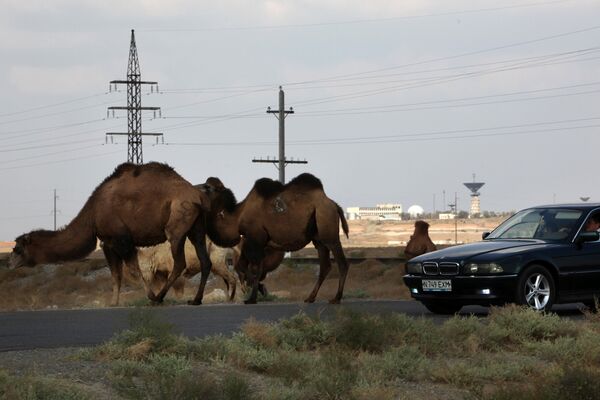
(539, 223)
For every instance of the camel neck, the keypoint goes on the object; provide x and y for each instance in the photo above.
(223, 226)
(72, 242)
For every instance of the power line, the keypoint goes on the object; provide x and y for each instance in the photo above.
(264, 87)
(359, 21)
(466, 54)
(43, 146)
(411, 136)
(392, 107)
(51, 105)
(59, 161)
(38, 156)
(54, 113)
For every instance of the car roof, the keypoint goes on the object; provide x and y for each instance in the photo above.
(571, 206)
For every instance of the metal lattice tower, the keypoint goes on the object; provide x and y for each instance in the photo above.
(134, 106)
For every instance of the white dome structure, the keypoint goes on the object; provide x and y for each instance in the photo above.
(414, 211)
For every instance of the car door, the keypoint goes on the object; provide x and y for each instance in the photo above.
(579, 266)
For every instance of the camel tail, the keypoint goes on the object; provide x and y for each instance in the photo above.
(343, 219)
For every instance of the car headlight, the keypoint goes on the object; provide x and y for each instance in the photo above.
(484, 268)
(414, 268)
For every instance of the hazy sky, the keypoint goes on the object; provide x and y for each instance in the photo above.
(395, 101)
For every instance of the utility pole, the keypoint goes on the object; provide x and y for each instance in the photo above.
(55, 209)
(281, 162)
(134, 106)
(456, 219)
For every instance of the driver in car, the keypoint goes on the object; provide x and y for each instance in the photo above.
(593, 223)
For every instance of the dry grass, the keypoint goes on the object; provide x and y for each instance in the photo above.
(515, 353)
(87, 284)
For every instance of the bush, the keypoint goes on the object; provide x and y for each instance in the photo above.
(33, 388)
(332, 377)
(161, 377)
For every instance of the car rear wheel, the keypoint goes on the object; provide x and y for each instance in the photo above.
(443, 307)
(536, 288)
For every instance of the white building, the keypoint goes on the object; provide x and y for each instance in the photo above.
(379, 212)
(447, 215)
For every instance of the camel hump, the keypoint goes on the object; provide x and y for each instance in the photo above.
(307, 181)
(267, 188)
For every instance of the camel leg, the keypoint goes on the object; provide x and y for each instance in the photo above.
(133, 265)
(263, 289)
(177, 251)
(254, 253)
(199, 241)
(115, 263)
(254, 273)
(325, 267)
(241, 267)
(340, 259)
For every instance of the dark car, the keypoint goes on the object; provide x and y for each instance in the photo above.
(538, 257)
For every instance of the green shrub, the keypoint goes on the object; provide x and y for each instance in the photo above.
(34, 388)
(302, 332)
(162, 377)
(332, 377)
(235, 387)
(358, 331)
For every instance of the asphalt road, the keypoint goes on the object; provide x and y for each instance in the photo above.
(75, 328)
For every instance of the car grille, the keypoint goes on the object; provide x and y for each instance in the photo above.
(445, 268)
(431, 268)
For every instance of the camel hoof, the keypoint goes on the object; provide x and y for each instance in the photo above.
(334, 301)
(309, 300)
(194, 302)
(249, 301)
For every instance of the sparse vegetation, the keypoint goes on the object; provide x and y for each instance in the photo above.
(34, 387)
(514, 353)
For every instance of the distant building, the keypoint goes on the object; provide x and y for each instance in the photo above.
(379, 212)
(447, 215)
(415, 211)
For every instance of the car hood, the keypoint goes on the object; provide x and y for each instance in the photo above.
(466, 251)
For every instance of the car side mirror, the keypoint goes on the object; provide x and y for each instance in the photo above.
(485, 234)
(587, 237)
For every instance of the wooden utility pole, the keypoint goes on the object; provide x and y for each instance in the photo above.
(281, 161)
(54, 212)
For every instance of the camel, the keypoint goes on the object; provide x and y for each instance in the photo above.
(278, 217)
(419, 242)
(156, 264)
(137, 205)
(268, 264)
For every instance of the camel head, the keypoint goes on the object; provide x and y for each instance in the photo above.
(221, 198)
(421, 228)
(23, 254)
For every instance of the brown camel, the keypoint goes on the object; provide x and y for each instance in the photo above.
(156, 264)
(268, 264)
(278, 217)
(138, 205)
(419, 242)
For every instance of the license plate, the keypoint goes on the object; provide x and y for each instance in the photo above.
(437, 285)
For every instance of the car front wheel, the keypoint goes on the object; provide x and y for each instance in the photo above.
(445, 307)
(536, 288)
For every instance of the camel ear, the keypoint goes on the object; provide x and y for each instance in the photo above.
(27, 239)
(204, 202)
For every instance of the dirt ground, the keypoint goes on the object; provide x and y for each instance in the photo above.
(378, 245)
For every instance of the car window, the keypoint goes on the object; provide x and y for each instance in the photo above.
(541, 223)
